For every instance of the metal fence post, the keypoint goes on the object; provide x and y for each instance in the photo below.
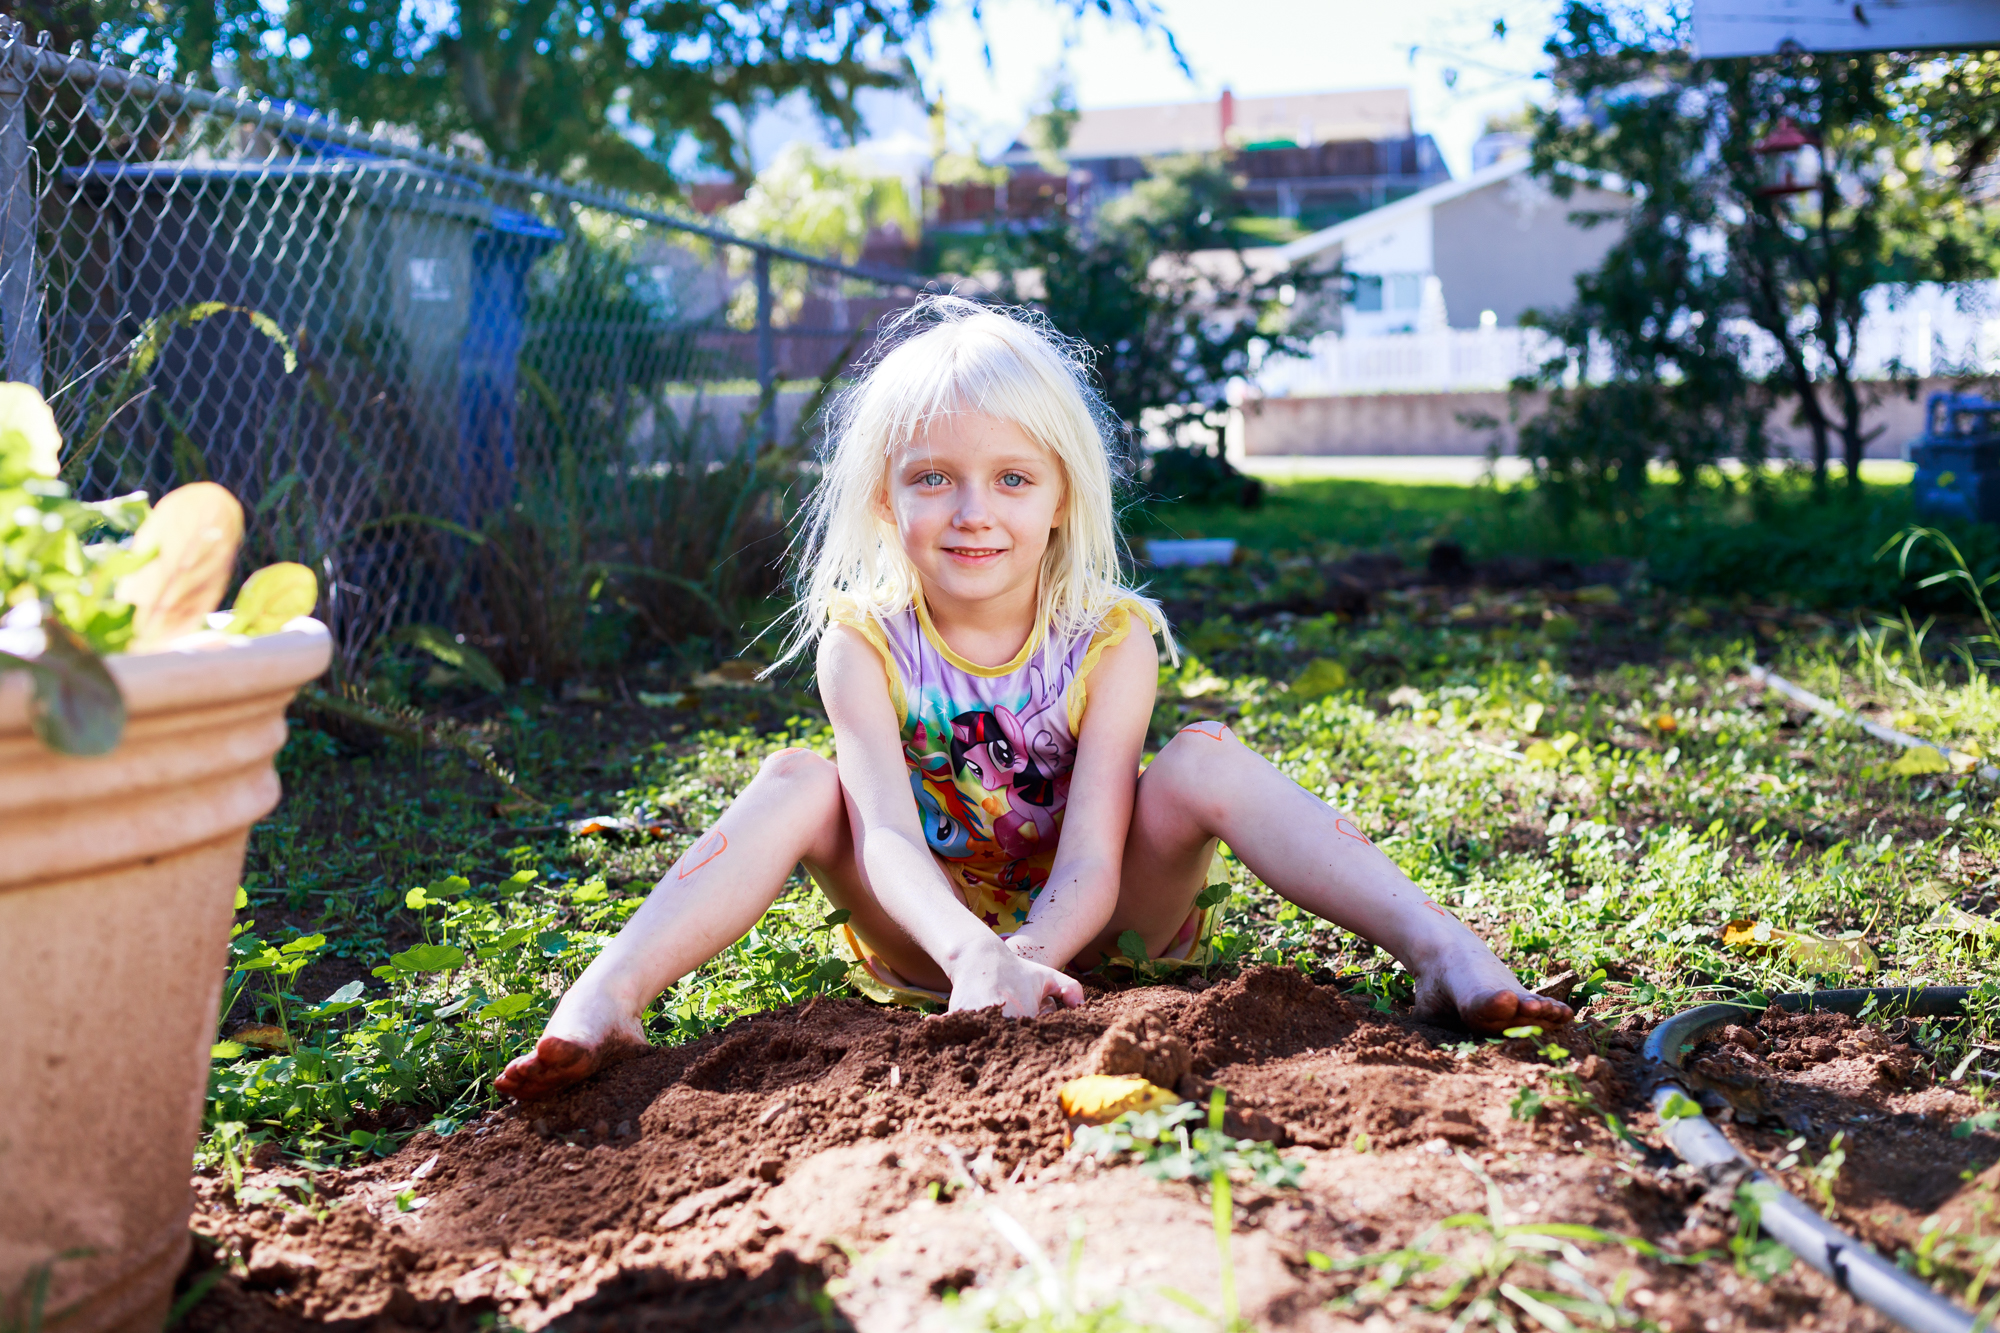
(767, 352)
(20, 294)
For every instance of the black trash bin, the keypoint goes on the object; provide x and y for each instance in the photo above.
(1958, 459)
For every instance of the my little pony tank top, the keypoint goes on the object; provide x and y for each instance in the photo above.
(990, 750)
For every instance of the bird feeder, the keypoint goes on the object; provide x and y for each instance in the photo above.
(1789, 160)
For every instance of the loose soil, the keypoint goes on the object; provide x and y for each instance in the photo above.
(842, 1165)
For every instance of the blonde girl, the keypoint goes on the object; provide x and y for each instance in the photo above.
(985, 822)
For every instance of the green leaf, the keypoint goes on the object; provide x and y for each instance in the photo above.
(839, 916)
(1983, 1123)
(272, 598)
(551, 942)
(429, 958)
(242, 898)
(450, 886)
(74, 705)
(1212, 896)
(1133, 945)
(347, 994)
(446, 648)
(507, 1006)
(227, 1050)
(1679, 1107)
(304, 944)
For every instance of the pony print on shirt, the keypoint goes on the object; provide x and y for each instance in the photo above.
(990, 752)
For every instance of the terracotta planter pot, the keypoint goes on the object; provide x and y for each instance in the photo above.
(118, 878)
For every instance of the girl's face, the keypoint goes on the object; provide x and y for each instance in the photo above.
(975, 501)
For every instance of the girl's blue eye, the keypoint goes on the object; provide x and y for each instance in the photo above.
(1012, 479)
(931, 479)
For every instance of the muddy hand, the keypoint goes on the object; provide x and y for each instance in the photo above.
(1022, 988)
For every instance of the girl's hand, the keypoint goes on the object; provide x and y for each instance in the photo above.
(1001, 976)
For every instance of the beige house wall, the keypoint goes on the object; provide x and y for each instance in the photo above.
(1513, 247)
(1433, 423)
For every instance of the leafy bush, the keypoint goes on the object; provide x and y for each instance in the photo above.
(1200, 474)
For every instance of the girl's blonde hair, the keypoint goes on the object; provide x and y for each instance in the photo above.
(944, 356)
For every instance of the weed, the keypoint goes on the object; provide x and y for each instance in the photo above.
(1756, 1255)
(1820, 1175)
(1479, 1290)
(1039, 1298)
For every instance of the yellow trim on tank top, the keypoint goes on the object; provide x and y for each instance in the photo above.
(1116, 627)
(973, 668)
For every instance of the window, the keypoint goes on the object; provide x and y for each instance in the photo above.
(1406, 291)
(1367, 292)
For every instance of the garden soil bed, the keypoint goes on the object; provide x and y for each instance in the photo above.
(841, 1165)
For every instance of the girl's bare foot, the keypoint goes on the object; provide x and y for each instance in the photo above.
(581, 1036)
(1477, 989)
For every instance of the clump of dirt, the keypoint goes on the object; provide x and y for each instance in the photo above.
(854, 1160)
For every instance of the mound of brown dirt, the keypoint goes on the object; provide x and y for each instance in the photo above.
(1815, 1076)
(845, 1162)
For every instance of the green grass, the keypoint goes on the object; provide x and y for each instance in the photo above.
(1590, 785)
(1774, 542)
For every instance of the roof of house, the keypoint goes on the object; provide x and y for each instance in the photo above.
(1196, 127)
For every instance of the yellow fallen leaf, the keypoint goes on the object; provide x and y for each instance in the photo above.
(1531, 717)
(1804, 949)
(1321, 677)
(272, 598)
(193, 534)
(263, 1036)
(1919, 760)
(1955, 920)
(734, 674)
(1097, 1099)
(1666, 722)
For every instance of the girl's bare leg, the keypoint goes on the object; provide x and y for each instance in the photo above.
(1206, 784)
(793, 811)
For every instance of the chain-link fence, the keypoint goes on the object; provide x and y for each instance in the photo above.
(427, 377)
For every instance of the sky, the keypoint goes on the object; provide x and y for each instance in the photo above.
(1254, 47)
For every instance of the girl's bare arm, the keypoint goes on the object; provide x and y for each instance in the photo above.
(1083, 884)
(890, 843)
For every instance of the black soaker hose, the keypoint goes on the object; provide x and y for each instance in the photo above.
(1854, 1268)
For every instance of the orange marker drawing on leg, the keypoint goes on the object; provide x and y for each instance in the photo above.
(1221, 732)
(690, 865)
(1348, 828)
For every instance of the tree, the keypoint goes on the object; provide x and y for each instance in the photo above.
(602, 89)
(1157, 288)
(1711, 254)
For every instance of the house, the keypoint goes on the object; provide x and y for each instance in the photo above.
(1478, 252)
(1314, 157)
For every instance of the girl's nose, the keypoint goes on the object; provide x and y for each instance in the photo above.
(971, 511)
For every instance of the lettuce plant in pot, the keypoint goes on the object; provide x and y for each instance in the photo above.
(137, 730)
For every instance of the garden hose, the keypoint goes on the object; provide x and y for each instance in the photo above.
(1854, 1268)
(1762, 678)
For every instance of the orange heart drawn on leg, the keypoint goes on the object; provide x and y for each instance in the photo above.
(721, 845)
(1348, 828)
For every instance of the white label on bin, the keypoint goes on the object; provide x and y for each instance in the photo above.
(429, 280)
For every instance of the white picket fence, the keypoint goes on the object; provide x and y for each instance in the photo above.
(1925, 331)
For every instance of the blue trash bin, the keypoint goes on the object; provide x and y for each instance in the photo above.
(1958, 460)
